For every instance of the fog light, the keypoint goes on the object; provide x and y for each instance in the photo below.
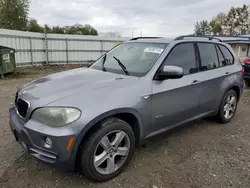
(48, 142)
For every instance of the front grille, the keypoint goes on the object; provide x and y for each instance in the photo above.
(22, 107)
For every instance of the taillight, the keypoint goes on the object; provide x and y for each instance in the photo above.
(246, 61)
(242, 71)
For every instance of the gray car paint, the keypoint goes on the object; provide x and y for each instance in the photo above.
(158, 105)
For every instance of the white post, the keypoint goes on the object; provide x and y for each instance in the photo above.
(46, 45)
(239, 51)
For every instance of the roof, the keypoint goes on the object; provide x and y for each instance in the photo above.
(151, 39)
(232, 39)
(169, 40)
(237, 41)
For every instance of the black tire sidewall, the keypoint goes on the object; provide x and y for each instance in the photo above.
(90, 146)
(221, 116)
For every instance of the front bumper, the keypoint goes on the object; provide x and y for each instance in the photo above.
(33, 142)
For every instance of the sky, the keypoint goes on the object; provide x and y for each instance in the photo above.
(166, 18)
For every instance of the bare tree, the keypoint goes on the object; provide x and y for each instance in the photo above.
(202, 27)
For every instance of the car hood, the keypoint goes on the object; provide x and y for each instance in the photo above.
(60, 85)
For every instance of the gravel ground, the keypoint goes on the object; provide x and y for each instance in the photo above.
(202, 154)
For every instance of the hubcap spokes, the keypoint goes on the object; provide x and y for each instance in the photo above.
(111, 152)
(229, 107)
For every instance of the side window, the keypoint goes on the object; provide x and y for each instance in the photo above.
(183, 55)
(208, 55)
(229, 59)
(220, 56)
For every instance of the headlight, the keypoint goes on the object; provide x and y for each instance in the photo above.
(56, 116)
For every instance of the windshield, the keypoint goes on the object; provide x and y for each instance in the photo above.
(135, 58)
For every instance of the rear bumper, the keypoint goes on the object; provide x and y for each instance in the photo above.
(33, 143)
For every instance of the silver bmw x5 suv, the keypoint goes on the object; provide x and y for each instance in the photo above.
(93, 118)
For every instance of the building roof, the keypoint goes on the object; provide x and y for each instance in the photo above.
(247, 35)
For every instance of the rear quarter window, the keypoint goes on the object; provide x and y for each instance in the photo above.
(228, 57)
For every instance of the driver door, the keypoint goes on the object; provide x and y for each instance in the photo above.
(175, 101)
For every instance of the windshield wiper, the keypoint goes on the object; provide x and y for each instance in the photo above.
(121, 65)
(103, 63)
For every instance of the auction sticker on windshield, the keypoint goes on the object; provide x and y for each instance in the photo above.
(154, 50)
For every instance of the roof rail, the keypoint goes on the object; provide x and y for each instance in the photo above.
(198, 36)
(137, 38)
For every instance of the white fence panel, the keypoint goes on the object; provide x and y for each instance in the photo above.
(22, 57)
(31, 47)
(108, 45)
(57, 57)
(38, 44)
(39, 57)
(57, 44)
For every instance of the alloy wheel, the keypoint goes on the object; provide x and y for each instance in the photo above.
(111, 152)
(230, 106)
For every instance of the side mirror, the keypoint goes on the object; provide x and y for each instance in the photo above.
(170, 72)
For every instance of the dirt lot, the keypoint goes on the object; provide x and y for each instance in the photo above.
(203, 154)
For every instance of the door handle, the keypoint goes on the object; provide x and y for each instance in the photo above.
(195, 81)
(227, 73)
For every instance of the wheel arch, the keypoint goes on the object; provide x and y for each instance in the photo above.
(235, 88)
(126, 114)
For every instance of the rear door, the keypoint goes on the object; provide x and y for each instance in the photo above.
(216, 62)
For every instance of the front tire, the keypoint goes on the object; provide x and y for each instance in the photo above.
(228, 107)
(108, 150)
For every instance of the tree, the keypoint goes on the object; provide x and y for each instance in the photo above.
(79, 29)
(242, 22)
(47, 29)
(202, 27)
(215, 27)
(217, 24)
(221, 20)
(58, 30)
(237, 21)
(14, 14)
(89, 30)
(76, 29)
(230, 22)
(33, 26)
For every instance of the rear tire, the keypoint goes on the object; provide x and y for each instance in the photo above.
(108, 150)
(228, 107)
(247, 82)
